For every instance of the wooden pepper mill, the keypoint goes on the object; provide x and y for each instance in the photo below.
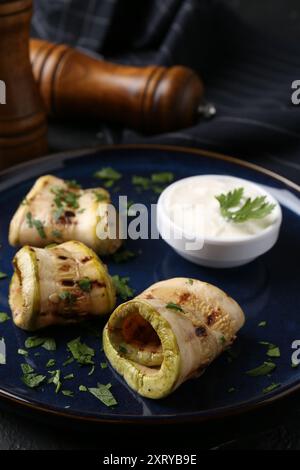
(22, 118)
(151, 99)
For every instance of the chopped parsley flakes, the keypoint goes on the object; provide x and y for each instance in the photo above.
(273, 351)
(264, 369)
(82, 353)
(85, 284)
(4, 317)
(68, 297)
(173, 306)
(67, 393)
(271, 387)
(47, 343)
(122, 287)
(51, 363)
(155, 183)
(55, 379)
(33, 380)
(108, 175)
(37, 224)
(103, 393)
(122, 256)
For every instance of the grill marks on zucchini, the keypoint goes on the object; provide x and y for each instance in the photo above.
(165, 334)
(56, 211)
(68, 289)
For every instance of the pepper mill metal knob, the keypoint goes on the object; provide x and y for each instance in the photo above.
(23, 127)
(151, 99)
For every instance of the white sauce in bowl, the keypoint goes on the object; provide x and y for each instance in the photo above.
(191, 204)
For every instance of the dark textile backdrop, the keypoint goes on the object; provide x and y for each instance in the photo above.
(248, 74)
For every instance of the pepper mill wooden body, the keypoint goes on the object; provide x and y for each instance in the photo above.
(151, 99)
(23, 126)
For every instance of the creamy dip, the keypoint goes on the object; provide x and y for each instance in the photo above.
(191, 204)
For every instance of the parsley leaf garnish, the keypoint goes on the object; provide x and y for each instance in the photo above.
(173, 306)
(26, 368)
(47, 343)
(55, 379)
(273, 351)
(2, 275)
(271, 387)
(67, 393)
(164, 177)
(51, 363)
(30, 378)
(82, 353)
(156, 182)
(263, 369)
(124, 291)
(256, 208)
(103, 393)
(37, 224)
(108, 175)
(23, 352)
(33, 380)
(85, 284)
(73, 184)
(123, 255)
(68, 361)
(68, 297)
(3, 317)
(57, 234)
(101, 196)
(69, 377)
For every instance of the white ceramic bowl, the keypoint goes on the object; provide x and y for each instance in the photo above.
(214, 251)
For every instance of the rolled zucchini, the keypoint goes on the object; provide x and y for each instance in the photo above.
(170, 333)
(61, 284)
(55, 211)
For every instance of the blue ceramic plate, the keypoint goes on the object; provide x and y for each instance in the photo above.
(267, 289)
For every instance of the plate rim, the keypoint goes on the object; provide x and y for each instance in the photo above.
(214, 414)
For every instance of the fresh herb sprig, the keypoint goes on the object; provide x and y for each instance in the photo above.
(235, 207)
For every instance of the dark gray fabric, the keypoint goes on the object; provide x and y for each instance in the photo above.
(136, 31)
(248, 75)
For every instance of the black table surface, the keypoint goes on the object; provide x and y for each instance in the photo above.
(271, 428)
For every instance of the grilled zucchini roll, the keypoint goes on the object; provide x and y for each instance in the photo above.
(170, 333)
(61, 284)
(55, 211)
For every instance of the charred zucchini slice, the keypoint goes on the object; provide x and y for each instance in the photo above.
(170, 333)
(55, 211)
(61, 284)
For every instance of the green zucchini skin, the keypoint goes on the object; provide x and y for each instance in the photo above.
(149, 382)
(59, 285)
(194, 321)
